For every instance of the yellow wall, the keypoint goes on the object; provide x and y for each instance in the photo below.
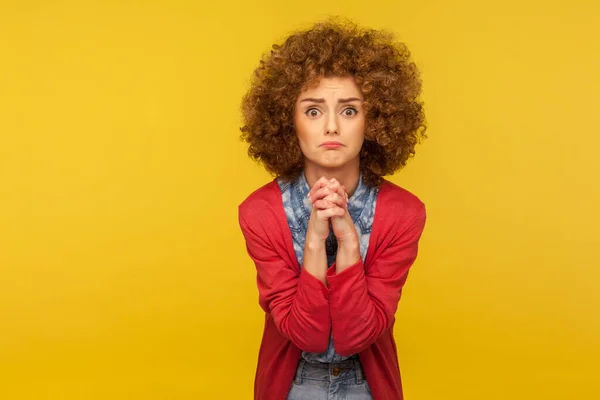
(123, 273)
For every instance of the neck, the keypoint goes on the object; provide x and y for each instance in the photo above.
(348, 175)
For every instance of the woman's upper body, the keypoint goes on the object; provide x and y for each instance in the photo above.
(358, 305)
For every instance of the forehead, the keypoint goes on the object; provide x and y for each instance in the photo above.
(333, 86)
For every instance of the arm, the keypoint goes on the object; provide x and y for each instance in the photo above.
(362, 306)
(298, 303)
(315, 258)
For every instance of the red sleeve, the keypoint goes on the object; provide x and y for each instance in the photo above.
(362, 306)
(298, 304)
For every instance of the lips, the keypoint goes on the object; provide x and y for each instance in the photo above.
(331, 145)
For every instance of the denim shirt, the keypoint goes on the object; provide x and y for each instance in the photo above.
(361, 206)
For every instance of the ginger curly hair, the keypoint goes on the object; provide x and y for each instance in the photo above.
(382, 69)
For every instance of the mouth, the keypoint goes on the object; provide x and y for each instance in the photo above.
(331, 145)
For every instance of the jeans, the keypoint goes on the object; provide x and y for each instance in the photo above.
(330, 381)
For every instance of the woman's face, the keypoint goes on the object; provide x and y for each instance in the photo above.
(330, 123)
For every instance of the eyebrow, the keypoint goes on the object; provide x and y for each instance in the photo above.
(321, 100)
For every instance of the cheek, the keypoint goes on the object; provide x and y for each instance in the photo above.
(359, 133)
(302, 130)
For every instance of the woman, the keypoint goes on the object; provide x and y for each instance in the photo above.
(330, 112)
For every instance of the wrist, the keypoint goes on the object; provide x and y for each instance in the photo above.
(349, 242)
(313, 244)
(346, 258)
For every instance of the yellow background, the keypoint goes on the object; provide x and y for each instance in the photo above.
(123, 273)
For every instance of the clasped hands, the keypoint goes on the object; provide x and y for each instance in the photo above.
(330, 211)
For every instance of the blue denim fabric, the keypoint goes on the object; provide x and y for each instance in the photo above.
(332, 381)
(361, 206)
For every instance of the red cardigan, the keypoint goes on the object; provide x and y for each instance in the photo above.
(359, 305)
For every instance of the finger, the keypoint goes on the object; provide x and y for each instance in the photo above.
(338, 188)
(323, 204)
(338, 197)
(332, 200)
(320, 183)
(341, 191)
(320, 193)
(330, 212)
(334, 183)
(337, 200)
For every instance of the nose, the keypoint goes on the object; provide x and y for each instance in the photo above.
(332, 124)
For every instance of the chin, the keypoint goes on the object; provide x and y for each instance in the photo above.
(327, 162)
(331, 161)
(332, 165)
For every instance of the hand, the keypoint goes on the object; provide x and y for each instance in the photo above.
(327, 195)
(318, 224)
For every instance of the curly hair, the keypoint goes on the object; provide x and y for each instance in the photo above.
(383, 71)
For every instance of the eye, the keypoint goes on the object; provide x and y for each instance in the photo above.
(350, 111)
(312, 112)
